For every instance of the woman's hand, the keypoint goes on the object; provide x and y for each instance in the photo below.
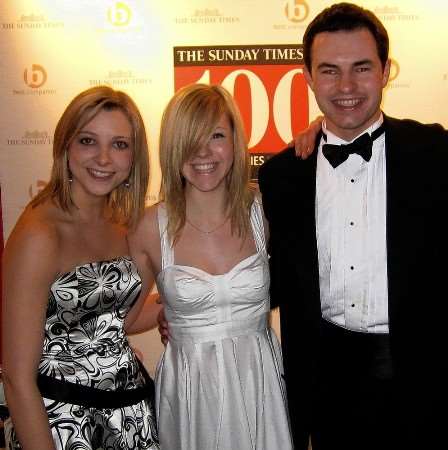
(304, 142)
(163, 327)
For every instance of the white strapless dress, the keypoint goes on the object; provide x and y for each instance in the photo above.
(219, 383)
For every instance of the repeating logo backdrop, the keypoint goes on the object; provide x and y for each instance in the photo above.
(50, 51)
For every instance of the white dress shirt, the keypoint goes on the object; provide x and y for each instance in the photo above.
(351, 238)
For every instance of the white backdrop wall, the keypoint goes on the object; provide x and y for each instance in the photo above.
(50, 50)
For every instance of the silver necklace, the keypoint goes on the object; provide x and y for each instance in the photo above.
(207, 232)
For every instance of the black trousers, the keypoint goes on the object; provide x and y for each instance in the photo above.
(357, 405)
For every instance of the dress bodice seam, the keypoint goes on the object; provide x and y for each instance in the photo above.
(188, 268)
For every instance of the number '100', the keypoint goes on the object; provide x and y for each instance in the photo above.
(276, 99)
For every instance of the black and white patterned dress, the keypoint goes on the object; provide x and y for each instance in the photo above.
(85, 344)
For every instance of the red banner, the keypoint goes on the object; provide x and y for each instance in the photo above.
(267, 83)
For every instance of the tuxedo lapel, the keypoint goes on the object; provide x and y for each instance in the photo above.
(307, 234)
(392, 220)
(403, 198)
(306, 180)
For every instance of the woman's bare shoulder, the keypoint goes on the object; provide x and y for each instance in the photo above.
(41, 220)
(146, 232)
(149, 220)
(152, 212)
(35, 242)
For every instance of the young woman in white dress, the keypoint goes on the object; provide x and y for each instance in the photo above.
(219, 382)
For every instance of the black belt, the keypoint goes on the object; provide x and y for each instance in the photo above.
(90, 397)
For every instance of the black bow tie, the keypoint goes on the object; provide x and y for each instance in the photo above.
(337, 154)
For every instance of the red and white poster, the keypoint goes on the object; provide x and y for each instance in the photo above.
(266, 81)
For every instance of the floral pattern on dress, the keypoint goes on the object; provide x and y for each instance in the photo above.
(85, 343)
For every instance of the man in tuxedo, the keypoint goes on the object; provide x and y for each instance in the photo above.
(358, 250)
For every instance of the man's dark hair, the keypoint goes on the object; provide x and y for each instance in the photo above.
(346, 17)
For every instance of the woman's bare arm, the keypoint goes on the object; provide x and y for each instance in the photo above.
(29, 268)
(144, 245)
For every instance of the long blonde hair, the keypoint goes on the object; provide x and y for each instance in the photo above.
(187, 123)
(126, 203)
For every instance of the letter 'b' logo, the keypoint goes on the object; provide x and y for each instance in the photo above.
(119, 15)
(35, 77)
(296, 10)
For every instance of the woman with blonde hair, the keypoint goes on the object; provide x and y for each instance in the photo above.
(219, 383)
(70, 290)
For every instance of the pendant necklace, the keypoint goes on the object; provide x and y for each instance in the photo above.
(207, 232)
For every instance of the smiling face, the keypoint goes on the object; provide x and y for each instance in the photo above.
(347, 79)
(208, 168)
(100, 155)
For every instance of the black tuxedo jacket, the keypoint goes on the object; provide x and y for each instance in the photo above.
(417, 258)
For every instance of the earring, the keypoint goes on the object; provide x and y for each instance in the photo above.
(127, 185)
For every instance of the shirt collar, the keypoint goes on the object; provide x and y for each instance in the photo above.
(333, 139)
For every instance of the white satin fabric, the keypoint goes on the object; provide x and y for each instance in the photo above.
(219, 382)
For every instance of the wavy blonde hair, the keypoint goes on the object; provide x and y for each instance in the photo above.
(126, 203)
(187, 124)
